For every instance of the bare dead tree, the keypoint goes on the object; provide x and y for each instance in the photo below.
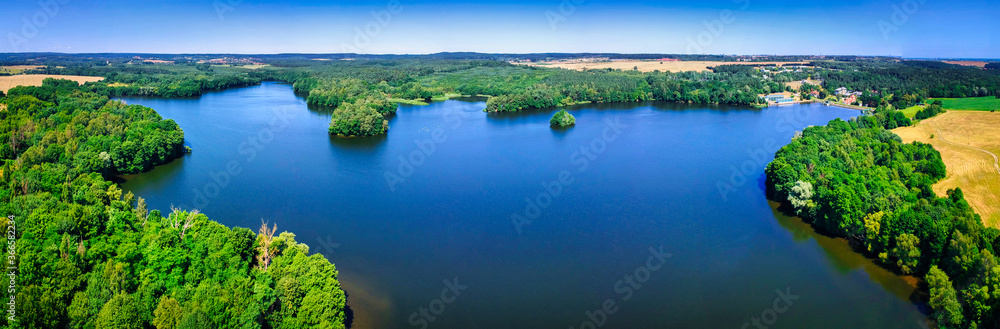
(81, 249)
(174, 214)
(64, 247)
(265, 251)
(189, 222)
(25, 184)
(181, 224)
(141, 211)
(66, 191)
(14, 140)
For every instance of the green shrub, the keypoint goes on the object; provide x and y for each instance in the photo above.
(562, 119)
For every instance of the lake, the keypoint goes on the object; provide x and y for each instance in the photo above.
(643, 215)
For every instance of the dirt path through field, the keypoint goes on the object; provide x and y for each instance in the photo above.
(969, 142)
(996, 160)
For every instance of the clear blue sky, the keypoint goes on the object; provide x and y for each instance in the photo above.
(921, 28)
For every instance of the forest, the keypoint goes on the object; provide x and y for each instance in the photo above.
(514, 87)
(156, 80)
(856, 179)
(399, 78)
(927, 79)
(360, 118)
(91, 256)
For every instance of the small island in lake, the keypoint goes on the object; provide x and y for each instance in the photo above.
(358, 119)
(562, 119)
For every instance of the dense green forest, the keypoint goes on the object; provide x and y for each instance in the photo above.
(914, 79)
(515, 87)
(89, 256)
(518, 87)
(930, 111)
(857, 180)
(156, 80)
(359, 118)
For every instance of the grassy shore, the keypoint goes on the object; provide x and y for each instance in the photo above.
(408, 101)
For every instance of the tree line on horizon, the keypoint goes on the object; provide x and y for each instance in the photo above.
(517, 87)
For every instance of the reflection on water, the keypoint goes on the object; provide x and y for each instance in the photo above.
(844, 258)
(370, 308)
(358, 143)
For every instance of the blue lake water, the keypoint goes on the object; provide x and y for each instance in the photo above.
(648, 215)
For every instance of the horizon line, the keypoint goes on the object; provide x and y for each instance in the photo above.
(491, 53)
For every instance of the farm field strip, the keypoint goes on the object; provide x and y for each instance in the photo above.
(651, 65)
(8, 82)
(969, 142)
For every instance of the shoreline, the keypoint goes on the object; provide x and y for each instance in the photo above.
(370, 308)
(859, 108)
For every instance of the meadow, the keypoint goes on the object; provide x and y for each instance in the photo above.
(912, 110)
(988, 103)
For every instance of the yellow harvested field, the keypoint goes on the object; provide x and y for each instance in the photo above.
(979, 64)
(795, 85)
(256, 66)
(650, 65)
(7, 82)
(15, 69)
(969, 142)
